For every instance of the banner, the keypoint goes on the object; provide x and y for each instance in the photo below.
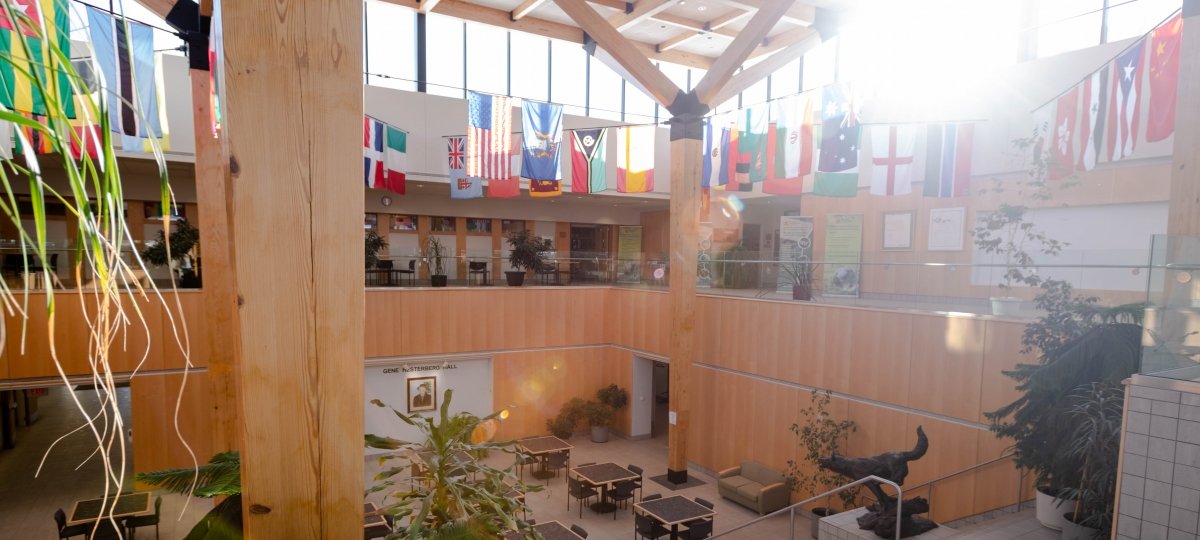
(795, 246)
(843, 252)
(629, 254)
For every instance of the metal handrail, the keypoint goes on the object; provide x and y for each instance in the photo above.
(792, 509)
(930, 483)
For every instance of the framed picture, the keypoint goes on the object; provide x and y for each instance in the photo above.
(422, 394)
(898, 230)
(442, 224)
(479, 225)
(946, 229)
(404, 223)
(370, 222)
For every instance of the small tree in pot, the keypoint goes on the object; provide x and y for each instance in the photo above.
(435, 251)
(527, 253)
(563, 425)
(598, 416)
(1007, 233)
(184, 239)
(820, 436)
(1095, 441)
(614, 398)
(373, 243)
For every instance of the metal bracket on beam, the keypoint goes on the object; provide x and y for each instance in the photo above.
(193, 29)
(687, 117)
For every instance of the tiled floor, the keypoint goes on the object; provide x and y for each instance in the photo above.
(27, 503)
(1021, 525)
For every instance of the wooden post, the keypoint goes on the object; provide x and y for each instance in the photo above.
(1183, 215)
(292, 106)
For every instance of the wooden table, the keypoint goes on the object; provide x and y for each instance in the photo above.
(550, 530)
(541, 447)
(603, 476)
(374, 525)
(674, 510)
(128, 504)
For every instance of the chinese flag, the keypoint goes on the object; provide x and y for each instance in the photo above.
(1164, 77)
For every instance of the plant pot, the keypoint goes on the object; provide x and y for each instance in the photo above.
(814, 520)
(1006, 305)
(599, 434)
(801, 292)
(515, 279)
(1050, 508)
(437, 281)
(1075, 531)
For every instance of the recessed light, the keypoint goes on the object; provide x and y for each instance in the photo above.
(701, 8)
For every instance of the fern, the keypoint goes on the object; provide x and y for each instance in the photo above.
(221, 476)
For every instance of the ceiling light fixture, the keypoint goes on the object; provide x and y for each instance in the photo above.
(701, 7)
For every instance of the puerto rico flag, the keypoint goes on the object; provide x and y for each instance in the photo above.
(489, 136)
(1123, 108)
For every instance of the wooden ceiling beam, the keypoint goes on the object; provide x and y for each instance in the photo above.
(748, 76)
(781, 40)
(427, 6)
(802, 14)
(713, 25)
(642, 10)
(467, 11)
(738, 51)
(620, 53)
(693, 24)
(525, 8)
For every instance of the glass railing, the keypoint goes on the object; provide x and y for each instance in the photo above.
(1171, 343)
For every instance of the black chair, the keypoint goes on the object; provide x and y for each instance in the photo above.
(524, 459)
(60, 517)
(105, 530)
(647, 527)
(705, 503)
(579, 530)
(132, 523)
(479, 268)
(556, 461)
(652, 497)
(547, 273)
(697, 530)
(621, 492)
(411, 271)
(579, 491)
(638, 471)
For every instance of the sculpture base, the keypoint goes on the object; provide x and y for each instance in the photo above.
(845, 526)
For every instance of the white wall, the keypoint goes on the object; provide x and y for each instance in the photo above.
(471, 381)
(641, 397)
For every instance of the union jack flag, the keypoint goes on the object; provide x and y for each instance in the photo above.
(456, 148)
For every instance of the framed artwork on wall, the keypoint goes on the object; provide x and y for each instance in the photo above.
(479, 225)
(441, 224)
(898, 230)
(370, 222)
(946, 228)
(404, 223)
(422, 394)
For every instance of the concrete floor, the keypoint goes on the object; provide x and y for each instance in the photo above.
(29, 502)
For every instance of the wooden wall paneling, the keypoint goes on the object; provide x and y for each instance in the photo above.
(189, 315)
(947, 363)
(1001, 346)
(460, 247)
(136, 221)
(791, 334)
(152, 406)
(497, 264)
(996, 485)
(833, 347)
(951, 447)
(880, 355)
(423, 225)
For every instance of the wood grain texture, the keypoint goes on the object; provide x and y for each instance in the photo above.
(535, 385)
(685, 241)
(297, 68)
(156, 443)
(735, 55)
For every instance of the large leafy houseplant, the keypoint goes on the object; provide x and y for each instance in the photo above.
(435, 251)
(184, 240)
(526, 252)
(373, 243)
(819, 435)
(220, 477)
(1095, 442)
(455, 495)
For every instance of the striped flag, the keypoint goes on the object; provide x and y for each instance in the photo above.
(1123, 109)
(125, 53)
(948, 159)
(635, 159)
(395, 160)
(714, 137)
(1091, 132)
(17, 90)
(489, 140)
(373, 135)
(837, 164)
(587, 160)
(793, 146)
(509, 186)
(753, 140)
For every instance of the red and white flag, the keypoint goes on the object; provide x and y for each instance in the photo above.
(892, 149)
(1165, 42)
(489, 136)
(1062, 146)
(1123, 108)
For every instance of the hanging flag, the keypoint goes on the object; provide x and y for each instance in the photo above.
(737, 163)
(124, 50)
(1062, 149)
(753, 141)
(146, 144)
(395, 159)
(509, 186)
(35, 140)
(216, 56)
(793, 147)
(635, 159)
(1164, 79)
(837, 164)
(1123, 106)
(545, 188)
(1091, 129)
(587, 160)
(373, 135)
(1043, 119)
(892, 149)
(541, 132)
(489, 140)
(17, 89)
(725, 158)
(461, 185)
(948, 159)
(714, 136)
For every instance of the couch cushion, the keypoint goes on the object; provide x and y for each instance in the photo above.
(733, 482)
(760, 473)
(750, 490)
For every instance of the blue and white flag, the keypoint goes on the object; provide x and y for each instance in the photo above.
(124, 51)
(461, 185)
(541, 140)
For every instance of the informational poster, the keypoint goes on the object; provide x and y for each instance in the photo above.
(795, 246)
(843, 253)
(897, 230)
(629, 254)
(946, 229)
(704, 257)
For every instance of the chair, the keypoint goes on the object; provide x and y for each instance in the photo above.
(132, 523)
(524, 459)
(104, 531)
(577, 490)
(556, 461)
(547, 272)
(647, 527)
(579, 530)
(638, 471)
(411, 271)
(704, 503)
(64, 531)
(652, 497)
(697, 530)
(479, 268)
(621, 492)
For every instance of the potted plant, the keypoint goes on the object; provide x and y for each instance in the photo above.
(373, 243)
(819, 435)
(598, 416)
(801, 276)
(184, 239)
(614, 398)
(527, 253)
(1096, 443)
(435, 251)
(563, 425)
(1008, 234)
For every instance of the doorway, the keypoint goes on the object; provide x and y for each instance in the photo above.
(661, 385)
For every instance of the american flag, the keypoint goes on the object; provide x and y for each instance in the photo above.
(489, 144)
(455, 151)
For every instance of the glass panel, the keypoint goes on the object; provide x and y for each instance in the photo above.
(786, 81)
(569, 76)
(1131, 19)
(820, 64)
(529, 66)
(441, 224)
(605, 92)
(757, 93)
(404, 223)
(678, 75)
(1067, 25)
(487, 58)
(1173, 313)
(391, 45)
(509, 226)
(444, 54)
(639, 107)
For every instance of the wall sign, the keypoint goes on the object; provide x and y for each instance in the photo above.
(843, 252)
(898, 230)
(946, 229)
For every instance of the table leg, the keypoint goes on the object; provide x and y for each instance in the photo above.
(675, 531)
(542, 474)
(603, 507)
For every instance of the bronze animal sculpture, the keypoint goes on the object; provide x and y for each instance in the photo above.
(892, 466)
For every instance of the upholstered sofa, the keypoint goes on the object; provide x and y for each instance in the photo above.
(754, 486)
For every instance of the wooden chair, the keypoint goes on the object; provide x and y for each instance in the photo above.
(621, 492)
(647, 527)
(556, 461)
(697, 530)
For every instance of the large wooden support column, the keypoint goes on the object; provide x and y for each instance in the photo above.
(686, 154)
(292, 105)
(1183, 217)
